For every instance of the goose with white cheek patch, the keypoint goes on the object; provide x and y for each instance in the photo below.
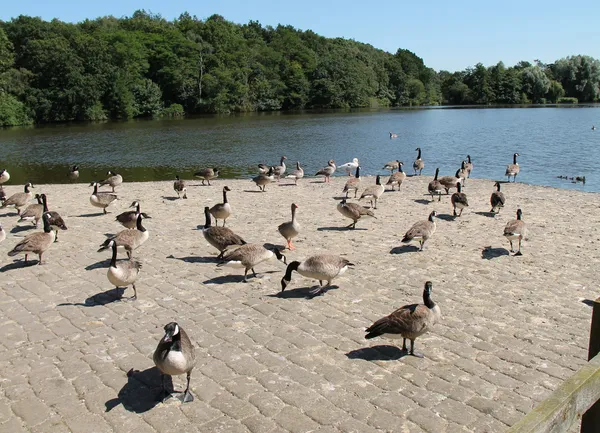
(123, 273)
(421, 231)
(248, 256)
(179, 187)
(129, 218)
(219, 237)
(36, 243)
(322, 267)
(516, 230)
(101, 199)
(129, 239)
(459, 200)
(19, 199)
(222, 211)
(497, 199)
(513, 169)
(113, 180)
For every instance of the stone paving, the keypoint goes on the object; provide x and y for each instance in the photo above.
(77, 359)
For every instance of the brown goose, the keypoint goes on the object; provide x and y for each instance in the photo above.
(207, 174)
(449, 182)
(391, 166)
(435, 187)
(248, 256)
(497, 199)
(513, 169)
(459, 200)
(421, 231)
(101, 199)
(129, 218)
(397, 178)
(263, 179)
(418, 165)
(408, 322)
(353, 211)
(279, 170)
(219, 237)
(463, 173)
(353, 183)
(222, 211)
(516, 230)
(33, 212)
(373, 192)
(55, 220)
(263, 168)
(296, 174)
(290, 229)
(36, 243)
(129, 239)
(469, 166)
(179, 187)
(113, 180)
(327, 171)
(20, 199)
(123, 273)
(322, 267)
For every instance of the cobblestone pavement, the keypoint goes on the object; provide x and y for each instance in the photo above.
(76, 359)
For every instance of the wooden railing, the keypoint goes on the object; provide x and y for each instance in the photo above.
(578, 396)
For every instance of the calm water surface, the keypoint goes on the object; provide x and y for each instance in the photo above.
(551, 142)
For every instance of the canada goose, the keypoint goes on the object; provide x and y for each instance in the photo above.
(36, 243)
(219, 237)
(516, 230)
(398, 177)
(418, 165)
(353, 211)
(101, 199)
(263, 179)
(263, 168)
(129, 239)
(207, 174)
(373, 192)
(391, 166)
(459, 200)
(393, 135)
(55, 220)
(222, 211)
(593, 127)
(179, 187)
(435, 187)
(409, 321)
(349, 166)
(497, 199)
(73, 173)
(449, 182)
(279, 170)
(4, 176)
(322, 267)
(248, 256)
(463, 173)
(513, 169)
(296, 174)
(2, 233)
(33, 212)
(113, 180)
(290, 229)
(469, 166)
(421, 231)
(353, 184)
(129, 218)
(19, 199)
(327, 171)
(123, 273)
(2, 194)
(175, 355)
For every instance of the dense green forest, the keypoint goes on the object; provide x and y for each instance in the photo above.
(144, 65)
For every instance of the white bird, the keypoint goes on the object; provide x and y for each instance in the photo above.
(350, 166)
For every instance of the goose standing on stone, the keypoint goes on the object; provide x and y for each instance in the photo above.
(397, 178)
(513, 169)
(296, 174)
(373, 192)
(497, 199)
(279, 170)
(129, 239)
(290, 229)
(113, 180)
(221, 211)
(55, 220)
(36, 243)
(349, 166)
(469, 166)
(129, 218)
(33, 212)
(353, 184)
(248, 256)
(327, 171)
(391, 166)
(516, 230)
(101, 199)
(73, 173)
(408, 322)
(20, 199)
(175, 355)
(4, 176)
(219, 237)
(179, 187)
(322, 267)
(459, 200)
(207, 174)
(123, 273)
(449, 182)
(421, 231)
(418, 165)
(353, 211)
(264, 179)
(435, 187)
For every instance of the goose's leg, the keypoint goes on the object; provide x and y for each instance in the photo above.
(134, 297)
(404, 339)
(245, 280)
(412, 350)
(511, 247)
(187, 395)
(518, 253)
(40, 262)
(26, 258)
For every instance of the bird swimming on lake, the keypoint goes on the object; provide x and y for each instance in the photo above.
(393, 135)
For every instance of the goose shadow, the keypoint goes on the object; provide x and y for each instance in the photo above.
(18, 264)
(446, 217)
(89, 215)
(101, 264)
(423, 201)
(99, 299)
(342, 197)
(141, 392)
(486, 214)
(489, 253)
(340, 229)
(404, 249)
(588, 302)
(288, 184)
(317, 181)
(19, 229)
(11, 214)
(301, 293)
(224, 279)
(253, 191)
(378, 353)
(170, 198)
(195, 259)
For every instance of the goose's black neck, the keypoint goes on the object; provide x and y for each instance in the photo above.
(419, 154)
(400, 168)
(138, 223)
(378, 180)
(515, 158)
(207, 223)
(95, 188)
(469, 158)
(357, 175)
(291, 267)
(137, 208)
(427, 300)
(457, 173)
(498, 186)
(431, 217)
(113, 260)
(458, 187)
(46, 220)
(437, 172)
(224, 196)
(45, 202)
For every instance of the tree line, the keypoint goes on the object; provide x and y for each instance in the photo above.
(144, 65)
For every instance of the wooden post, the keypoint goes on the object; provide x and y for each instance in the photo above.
(590, 421)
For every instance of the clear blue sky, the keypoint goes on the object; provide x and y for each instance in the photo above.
(449, 35)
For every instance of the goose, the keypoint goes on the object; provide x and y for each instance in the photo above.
(497, 199)
(349, 166)
(296, 174)
(207, 174)
(327, 171)
(435, 187)
(418, 165)
(19, 199)
(463, 173)
(263, 179)
(248, 256)
(129, 239)
(398, 177)
(222, 211)
(516, 230)
(353, 211)
(36, 243)
(2, 233)
(469, 166)
(593, 127)
(123, 273)
(279, 170)
(421, 231)
(449, 182)
(101, 199)
(113, 180)
(179, 187)
(290, 229)
(175, 355)
(459, 200)
(513, 169)
(353, 183)
(322, 267)
(391, 166)
(393, 135)
(129, 218)
(73, 173)
(55, 220)
(4, 176)
(408, 322)
(219, 237)
(2, 194)
(373, 192)
(33, 212)
(263, 168)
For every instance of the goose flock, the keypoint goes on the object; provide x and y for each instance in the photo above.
(175, 353)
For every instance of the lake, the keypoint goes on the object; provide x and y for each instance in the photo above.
(551, 142)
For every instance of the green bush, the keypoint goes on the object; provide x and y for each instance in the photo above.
(96, 112)
(13, 112)
(566, 100)
(173, 110)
